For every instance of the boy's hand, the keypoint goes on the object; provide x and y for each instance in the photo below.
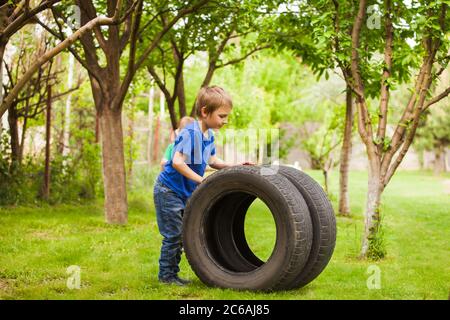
(179, 164)
(247, 163)
(218, 164)
(199, 181)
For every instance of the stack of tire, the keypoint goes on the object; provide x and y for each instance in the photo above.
(214, 238)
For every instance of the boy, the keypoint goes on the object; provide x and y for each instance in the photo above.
(169, 150)
(193, 150)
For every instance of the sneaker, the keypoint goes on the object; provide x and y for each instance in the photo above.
(175, 280)
(185, 281)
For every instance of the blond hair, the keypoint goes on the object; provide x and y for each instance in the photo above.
(185, 121)
(212, 98)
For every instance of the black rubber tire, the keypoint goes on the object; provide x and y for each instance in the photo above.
(323, 222)
(213, 230)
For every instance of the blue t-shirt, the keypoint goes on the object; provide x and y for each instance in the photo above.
(198, 149)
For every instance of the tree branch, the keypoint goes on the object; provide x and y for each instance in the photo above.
(54, 98)
(170, 99)
(234, 61)
(133, 40)
(411, 112)
(50, 54)
(132, 70)
(160, 83)
(90, 63)
(22, 19)
(89, 9)
(437, 98)
(158, 37)
(126, 33)
(384, 99)
(364, 125)
(60, 36)
(412, 127)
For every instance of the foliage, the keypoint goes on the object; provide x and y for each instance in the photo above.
(17, 184)
(76, 177)
(221, 34)
(320, 33)
(264, 96)
(376, 47)
(72, 180)
(86, 166)
(324, 140)
(434, 131)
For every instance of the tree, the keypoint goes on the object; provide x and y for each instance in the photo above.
(13, 24)
(413, 37)
(323, 141)
(225, 30)
(14, 15)
(48, 124)
(346, 151)
(434, 135)
(101, 52)
(384, 154)
(312, 30)
(30, 102)
(433, 132)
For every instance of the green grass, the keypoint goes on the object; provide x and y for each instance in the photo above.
(38, 244)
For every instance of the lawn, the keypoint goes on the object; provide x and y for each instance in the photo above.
(38, 244)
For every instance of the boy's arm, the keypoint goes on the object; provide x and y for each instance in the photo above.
(162, 164)
(179, 164)
(217, 163)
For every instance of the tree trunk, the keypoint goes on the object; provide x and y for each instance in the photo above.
(66, 132)
(2, 53)
(22, 139)
(421, 158)
(205, 83)
(130, 144)
(325, 179)
(209, 74)
(151, 96)
(179, 78)
(372, 245)
(181, 96)
(172, 113)
(114, 180)
(156, 140)
(97, 127)
(48, 55)
(60, 133)
(439, 160)
(344, 201)
(14, 135)
(46, 187)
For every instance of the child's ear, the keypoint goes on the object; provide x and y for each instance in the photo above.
(203, 112)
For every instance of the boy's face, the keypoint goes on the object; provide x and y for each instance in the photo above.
(218, 118)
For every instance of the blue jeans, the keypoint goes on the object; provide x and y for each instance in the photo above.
(169, 214)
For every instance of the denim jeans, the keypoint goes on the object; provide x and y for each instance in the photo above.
(169, 214)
